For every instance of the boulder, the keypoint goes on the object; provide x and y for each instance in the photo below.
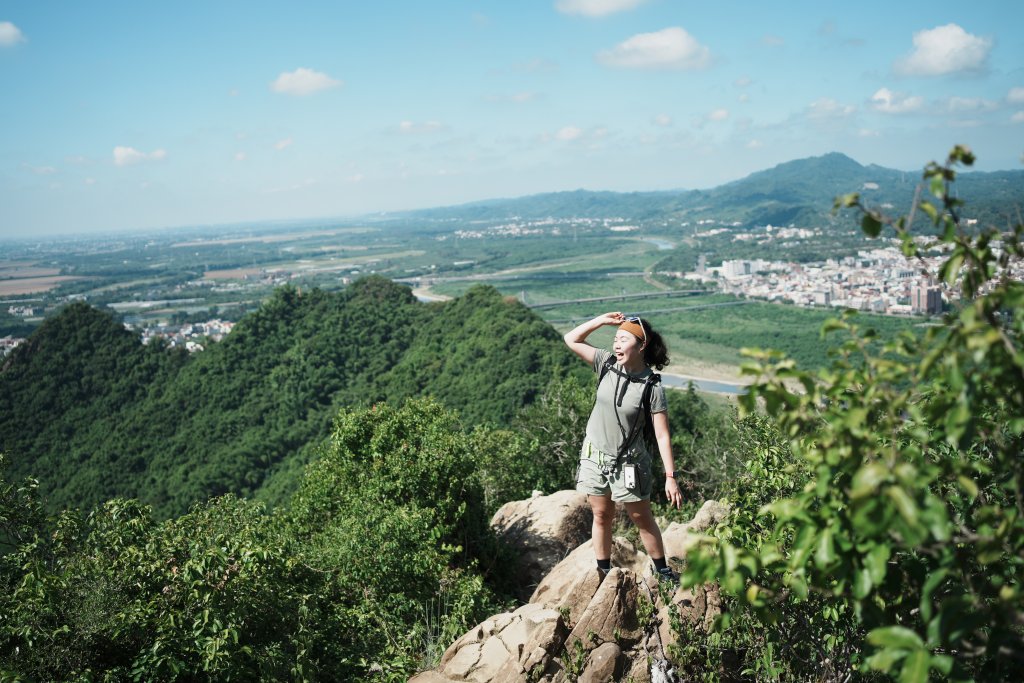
(584, 625)
(542, 530)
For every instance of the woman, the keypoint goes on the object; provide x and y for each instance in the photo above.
(615, 466)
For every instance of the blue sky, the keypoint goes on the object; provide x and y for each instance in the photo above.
(121, 115)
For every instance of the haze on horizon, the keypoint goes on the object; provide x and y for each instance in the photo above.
(124, 115)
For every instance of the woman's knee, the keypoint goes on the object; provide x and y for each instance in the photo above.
(603, 509)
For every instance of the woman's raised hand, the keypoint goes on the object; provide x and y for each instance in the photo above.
(612, 318)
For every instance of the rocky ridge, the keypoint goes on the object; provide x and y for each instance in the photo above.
(578, 624)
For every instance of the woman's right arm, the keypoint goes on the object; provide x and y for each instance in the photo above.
(576, 338)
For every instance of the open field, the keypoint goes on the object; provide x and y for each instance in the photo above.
(17, 270)
(232, 274)
(271, 238)
(32, 285)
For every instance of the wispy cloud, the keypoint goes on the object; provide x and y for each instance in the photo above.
(282, 144)
(663, 120)
(10, 35)
(718, 115)
(1018, 117)
(39, 170)
(515, 98)
(303, 81)
(944, 50)
(596, 8)
(569, 133)
(959, 104)
(411, 127)
(670, 48)
(128, 156)
(770, 40)
(826, 108)
(1016, 95)
(889, 102)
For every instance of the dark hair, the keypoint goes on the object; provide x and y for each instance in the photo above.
(655, 352)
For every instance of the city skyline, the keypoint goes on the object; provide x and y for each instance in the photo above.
(123, 116)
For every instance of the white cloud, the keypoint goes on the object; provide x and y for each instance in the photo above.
(773, 41)
(39, 170)
(515, 98)
(10, 35)
(868, 133)
(670, 48)
(1015, 95)
(89, 181)
(755, 144)
(1018, 117)
(241, 156)
(663, 120)
(744, 97)
(827, 108)
(956, 104)
(889, 102)
(282, 144)
(127, 156)
(409, 127)
(569, 133)
(944, 50)
(303, 81)
(742, 82)
(595, 8)
(718, 115)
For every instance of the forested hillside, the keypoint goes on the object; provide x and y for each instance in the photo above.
(94, 414)
(798, 192)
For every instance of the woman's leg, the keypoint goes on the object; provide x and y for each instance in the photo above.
(601, 530)
(650, 534)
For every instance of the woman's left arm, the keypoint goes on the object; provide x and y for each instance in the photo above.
(661, 433)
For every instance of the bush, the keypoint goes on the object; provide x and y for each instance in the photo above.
(908, 534)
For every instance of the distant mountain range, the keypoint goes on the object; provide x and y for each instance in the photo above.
(796, 192)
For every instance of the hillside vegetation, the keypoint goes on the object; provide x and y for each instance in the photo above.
(93, 414)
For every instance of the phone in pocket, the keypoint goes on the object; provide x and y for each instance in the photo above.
(629, 476)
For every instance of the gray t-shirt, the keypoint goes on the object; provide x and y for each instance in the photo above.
(603, 428)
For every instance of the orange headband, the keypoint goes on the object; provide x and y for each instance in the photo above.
(635, 329)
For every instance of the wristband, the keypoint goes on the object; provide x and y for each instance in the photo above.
(673, 474)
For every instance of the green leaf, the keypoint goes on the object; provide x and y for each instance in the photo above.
(885, 660)
(895, 636)
(862, 583)
(870, 225)
(915, 667)
(877, 562)
(867, 480)
(905, 505)
(825, 554)
(934, 580)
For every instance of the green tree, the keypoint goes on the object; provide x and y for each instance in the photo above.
(901, 521)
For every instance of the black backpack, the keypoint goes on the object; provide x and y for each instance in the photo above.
(647, 424)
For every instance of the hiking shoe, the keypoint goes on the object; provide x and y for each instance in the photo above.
(666, 575)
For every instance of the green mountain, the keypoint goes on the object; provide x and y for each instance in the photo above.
(797, 192)
(94, 414)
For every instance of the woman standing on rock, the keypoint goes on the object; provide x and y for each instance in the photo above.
(615, 465)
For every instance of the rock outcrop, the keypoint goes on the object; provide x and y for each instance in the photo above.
(543, 530)
(583, 625)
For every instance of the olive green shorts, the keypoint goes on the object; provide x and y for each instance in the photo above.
(592, 480)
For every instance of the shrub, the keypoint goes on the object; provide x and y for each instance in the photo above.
(908, 533)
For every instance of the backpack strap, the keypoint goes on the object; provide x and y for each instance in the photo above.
(608, 364)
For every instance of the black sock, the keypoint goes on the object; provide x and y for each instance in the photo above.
(605, 564)
(659, 563)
